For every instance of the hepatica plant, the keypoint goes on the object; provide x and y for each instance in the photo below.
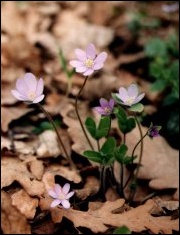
(124, 106)
(30, 90)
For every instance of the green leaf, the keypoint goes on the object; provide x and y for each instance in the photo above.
(128, 160)
(121, 113)
(119, 101)
(120, 153)
(91, 126)
(93, 156)
(156, 47)
(122, 230)
(109, 146)
(158, 85)
(136, 108)
(103, 128)
(131, 124)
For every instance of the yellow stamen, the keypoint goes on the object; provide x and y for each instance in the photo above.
(129, 101)
(62, 196)
(89, 63)
(107, 110)
(32, 95)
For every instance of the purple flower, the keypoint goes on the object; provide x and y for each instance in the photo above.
(61, 195)
(87, 61)
(106, 107)
(130, 95)
(154, 131)
(29, 89)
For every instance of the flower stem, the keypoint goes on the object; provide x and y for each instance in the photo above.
(60, 142)
(102, 180)
(98, 145)
(141, 151)
(76, 109)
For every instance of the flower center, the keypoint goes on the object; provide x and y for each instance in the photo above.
(62, 196)
(130, 100)
(107, 110)
(89, 63)
(32, 95)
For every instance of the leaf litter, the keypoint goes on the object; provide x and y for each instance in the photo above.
(41, 29)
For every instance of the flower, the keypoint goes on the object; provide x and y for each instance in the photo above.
(130, 95)
(87, 61)
(153, 131)
(29, 89)
(106, 107)
(61, 195)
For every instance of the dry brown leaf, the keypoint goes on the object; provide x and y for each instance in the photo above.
(67, 32)
(12, 169)
(74, 129)
(9, 114)
(160, 162)
(10, 13)
(111, 195)
(48, 146)
(24, 203)
(12, 221)
(90, 188)
(98, 220)
(55, 169)
(36, 167)
(21, 147)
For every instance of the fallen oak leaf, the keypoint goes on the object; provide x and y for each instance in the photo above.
(160, 162)
(15, 170)
(55, 169)
(9, 114)
(35, 166)
(90, 188)
(24, 203)
(136, 219)
(12, 221)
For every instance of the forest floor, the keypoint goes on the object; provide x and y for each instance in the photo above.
(141, 40)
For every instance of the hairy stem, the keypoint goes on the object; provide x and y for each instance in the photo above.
(76, 109)
(60, 142)
(141, 151)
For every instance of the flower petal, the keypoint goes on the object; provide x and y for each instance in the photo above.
(56, 202)
(30, 81)
(52, 193)
(133, 90)
(21, 86)
(80, 54)
(100, 110)
(88, 72)
(123, 95)
(18, 95)
(81, 69)
(103, 102)
(69, 195)
(111, 103)
(140, 97)
(65, 204)
(76, 63)
(40, 87)
(66, 188)
(91, 51)
(38, 99)
(57, 189)
(98, 66)
(101, 58)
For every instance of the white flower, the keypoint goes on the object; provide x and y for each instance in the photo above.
(61, 195)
